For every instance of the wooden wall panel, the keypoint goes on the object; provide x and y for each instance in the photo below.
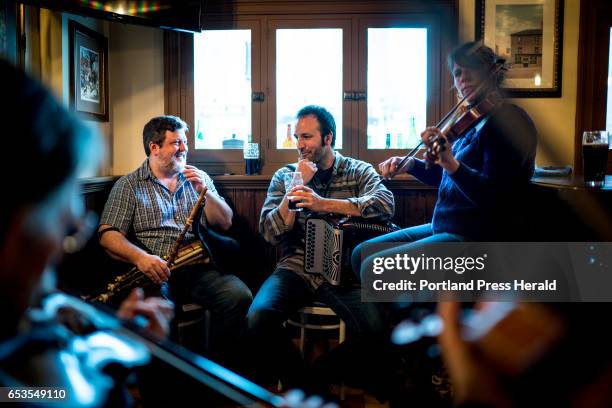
(413, 207)
(259, 257)
(86, 270)
(594, 45)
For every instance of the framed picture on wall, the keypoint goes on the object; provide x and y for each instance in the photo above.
(529, 35)
(88, 72)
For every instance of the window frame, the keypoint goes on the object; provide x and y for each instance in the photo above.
(233, 156)
(591, 101)
(433, 103)
(440, 15)
(280, 157)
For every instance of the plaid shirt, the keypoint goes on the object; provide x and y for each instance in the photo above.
(140, 206)
(351, 179)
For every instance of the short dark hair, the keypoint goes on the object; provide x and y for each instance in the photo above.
(475, 55)
(55, 143)
(155, 130)
(327, 124)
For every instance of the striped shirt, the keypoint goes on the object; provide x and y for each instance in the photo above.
(351, 179)
(141, 207)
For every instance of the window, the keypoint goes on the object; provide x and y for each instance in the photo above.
(315, 78)
(396, 87)
(403, 67)
(311, 65)
(222, 89)
(382, 76)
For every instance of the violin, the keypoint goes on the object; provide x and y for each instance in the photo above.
(466, 117)
(460, 118)
(66, 350)
(83, 355)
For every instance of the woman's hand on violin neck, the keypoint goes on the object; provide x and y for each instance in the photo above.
(389, 168)
(430, 134)
(439, 149)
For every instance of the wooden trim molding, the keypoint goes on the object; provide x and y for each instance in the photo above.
(256, 182)
(240, 182)
(227, 8)
(178, 75)
(407, 182)
(261, 182)
(593, 49)
(97, 184)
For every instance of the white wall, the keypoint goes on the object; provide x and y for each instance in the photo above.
(136, 78)
(136, 88)
(103, 128)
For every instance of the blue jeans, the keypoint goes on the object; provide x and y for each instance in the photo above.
(413, 237)
(225, 295)
(283, 294)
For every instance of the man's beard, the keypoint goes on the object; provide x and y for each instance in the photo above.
(173, 166)
(315, 155)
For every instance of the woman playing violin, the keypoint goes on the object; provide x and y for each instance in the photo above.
(480, 170)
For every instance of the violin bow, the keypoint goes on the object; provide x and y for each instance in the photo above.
(497, 67)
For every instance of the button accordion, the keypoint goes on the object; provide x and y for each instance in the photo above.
(330, 241)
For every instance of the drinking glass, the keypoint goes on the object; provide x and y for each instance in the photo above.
(293, 179)
(251, 158)
(594, 157)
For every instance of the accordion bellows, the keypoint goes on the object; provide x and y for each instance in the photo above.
(330, 241)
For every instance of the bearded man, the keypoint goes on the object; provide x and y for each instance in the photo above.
(145, 213)
(331, 184)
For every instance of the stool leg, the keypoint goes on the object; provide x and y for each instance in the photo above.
(341, 338)
(179, 332)
(302, 333)
(342, 331)
(207, 324)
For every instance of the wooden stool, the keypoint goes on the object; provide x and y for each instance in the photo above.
(317, 309)
(189, 315)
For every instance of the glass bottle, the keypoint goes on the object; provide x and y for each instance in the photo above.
(289, 143)
(199, 134)
(412, 138)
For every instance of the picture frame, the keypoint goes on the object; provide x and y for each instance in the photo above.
(529, 35)
(88, 72)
